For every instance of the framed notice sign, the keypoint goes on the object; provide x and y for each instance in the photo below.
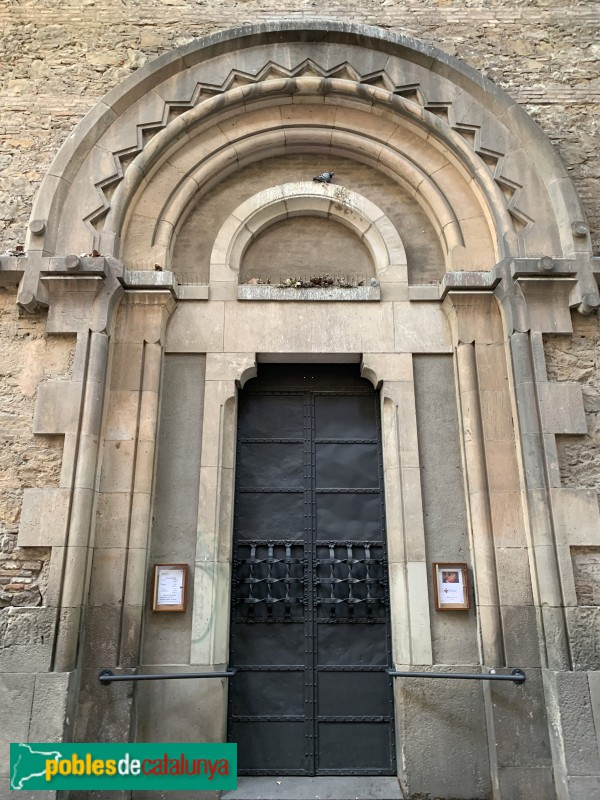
(169, 587)
(451, 587)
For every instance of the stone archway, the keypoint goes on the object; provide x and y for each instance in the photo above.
(484, 186)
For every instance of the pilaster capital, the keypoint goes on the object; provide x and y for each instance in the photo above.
(145, 314)
(80, 292)
(473, 316)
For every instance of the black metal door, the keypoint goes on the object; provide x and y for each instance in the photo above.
(310, 632)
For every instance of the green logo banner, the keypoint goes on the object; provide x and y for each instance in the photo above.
(89, 766)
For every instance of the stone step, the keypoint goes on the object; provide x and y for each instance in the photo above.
(319, 788)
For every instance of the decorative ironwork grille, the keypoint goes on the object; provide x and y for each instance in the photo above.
(351, 581)
(269, 581)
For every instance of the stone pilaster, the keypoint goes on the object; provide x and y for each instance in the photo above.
(509, 625)
(117, 582)
(409, 597)
(212, 579)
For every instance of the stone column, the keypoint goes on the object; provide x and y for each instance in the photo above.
(76, 556)
(547, 580)
(484, 560)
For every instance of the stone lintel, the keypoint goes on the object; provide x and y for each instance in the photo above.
(544, 267)
(377, 367)
(364, 293)
(233, 367)
(45, 278)
(425, 292)
(75, 266)
(187, 292)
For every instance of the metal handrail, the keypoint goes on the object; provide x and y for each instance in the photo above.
(107, 676)
(517, 676)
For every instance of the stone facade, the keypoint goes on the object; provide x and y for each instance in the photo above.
(144, 305)
(544, 55)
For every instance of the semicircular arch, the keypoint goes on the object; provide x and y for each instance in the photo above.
(524, 192)
(252, 217)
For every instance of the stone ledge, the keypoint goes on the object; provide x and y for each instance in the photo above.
(148, 279)
(11, 270)
(335, 294)
(188, 292)
(425, 292)
(324, 788)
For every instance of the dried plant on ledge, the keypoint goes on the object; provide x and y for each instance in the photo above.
(316, 282)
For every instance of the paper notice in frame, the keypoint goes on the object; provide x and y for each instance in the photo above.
(451, 585)
(169, 587)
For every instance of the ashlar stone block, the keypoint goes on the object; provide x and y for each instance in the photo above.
(561, 408)
(43, 518)
(27, 638)
(49, 707)
(16, 696)
(57, 407)
(576, 516)
(571, 694)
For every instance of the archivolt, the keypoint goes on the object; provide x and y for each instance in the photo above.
(249, 123)
(75, 207)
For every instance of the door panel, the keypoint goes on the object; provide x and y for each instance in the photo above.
(359, 420)
(365, 745)
(271, 464)
(368, 649)
(260, 514)
(310, 633)
(346, 466)
(348, 516)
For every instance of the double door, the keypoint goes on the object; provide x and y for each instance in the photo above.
(310, 633)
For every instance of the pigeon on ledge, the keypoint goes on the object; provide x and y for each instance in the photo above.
(324, 177)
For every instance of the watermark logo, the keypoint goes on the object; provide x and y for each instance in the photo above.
(123, 766)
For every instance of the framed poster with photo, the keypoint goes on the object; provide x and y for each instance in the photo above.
(451, 587)
(169, 587)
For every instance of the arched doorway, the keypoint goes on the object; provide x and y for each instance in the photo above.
(310, 623)
(474, 247)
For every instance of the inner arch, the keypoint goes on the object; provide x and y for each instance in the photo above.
(425, 258)
(306, 247)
